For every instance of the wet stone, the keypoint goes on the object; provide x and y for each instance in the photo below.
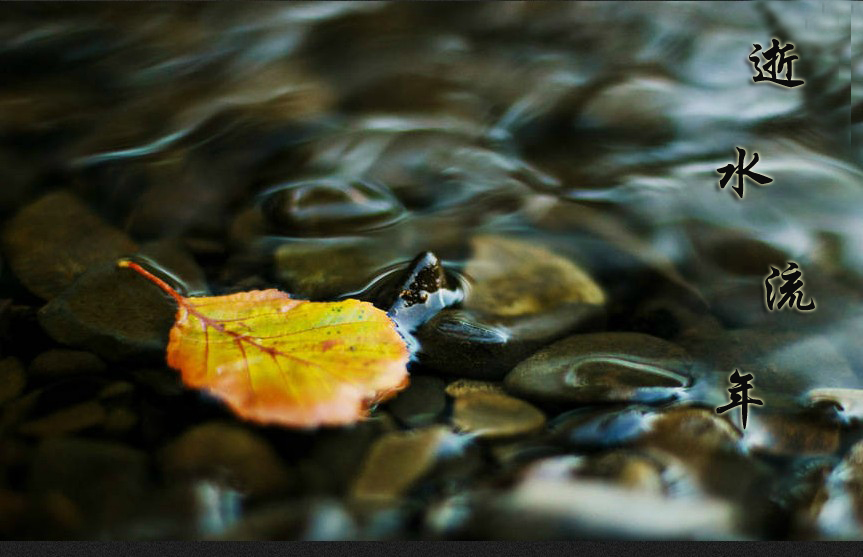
(461, 387)
(106, 480)
(329, 206)
(60, 363)
(603, 367)
(331, 464)
(421, 293)
(12, 379)
(495, 416)
(323, 269)
(790, 433)
(226, 454)
(422, 403)
(469, 344)
(601, 427)
(397, 461)
(838, 507)
(55, 239)
(513, 278)
(846, 403)
(112, 312)
(311, 520)
(73, 419)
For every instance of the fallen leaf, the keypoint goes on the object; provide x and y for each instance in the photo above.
(277, 360)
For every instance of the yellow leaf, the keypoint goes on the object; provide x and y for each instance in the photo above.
(277, 360)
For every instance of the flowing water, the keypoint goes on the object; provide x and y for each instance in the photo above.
(540, 178)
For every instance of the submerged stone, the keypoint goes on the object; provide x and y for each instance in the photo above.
(603, 367)
(495, 416)
(512, 278)
(329, 206)
(55, 239)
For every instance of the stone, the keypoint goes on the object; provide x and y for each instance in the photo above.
(461, 387)
(73, 419)
(227, 454)
(599, 427)
(495, 416)
(61, 363)
(397, 461)
(422, 403)
(107, 481)
(55, 239)
(512, 278)
(421, 293)
(790, 433)
(603, 367)
(322, 269)
(312, 520)
(12, 379)
(464, 343)
(329, 206)
(113, 312)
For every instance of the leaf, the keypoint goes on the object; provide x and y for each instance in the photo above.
(276, 360)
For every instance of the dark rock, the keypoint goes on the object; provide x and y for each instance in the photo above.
(112, 312)
(12, 379)
(325, 269)
(329, 206)
(314, 520)
(73, 419)
(422, 403)
(106, 480)
(227, 454)
(55, 239)
(421, 293)
(601, 427)
(495, 416)
(470, 344)
(331, 464)
(59, 363)
(603, 367)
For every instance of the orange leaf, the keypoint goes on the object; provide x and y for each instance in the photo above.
(273, 359)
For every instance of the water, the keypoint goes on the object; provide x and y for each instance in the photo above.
(318, 148)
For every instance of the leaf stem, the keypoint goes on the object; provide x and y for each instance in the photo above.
(125, 263)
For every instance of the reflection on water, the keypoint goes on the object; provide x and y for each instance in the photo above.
(560, 159)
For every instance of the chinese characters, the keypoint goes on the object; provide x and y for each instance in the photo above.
(790, 290)
(740, 396)
(730, 170)
(776, 60)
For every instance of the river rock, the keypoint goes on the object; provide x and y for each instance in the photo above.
(68, 420)
(227, 454)
(421, 403)
(422, 292)
(12, 379)
(55, 239)
(397, 461)
(58, 363)
(603, 367)
(113, 312)
(495, 416)
(461, 387)
(470, 344)
(512, 278)
(329, 206)
(106, 480)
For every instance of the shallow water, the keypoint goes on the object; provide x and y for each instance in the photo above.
(557, 164)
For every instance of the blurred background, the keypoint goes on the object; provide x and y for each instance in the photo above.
(549, 170)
